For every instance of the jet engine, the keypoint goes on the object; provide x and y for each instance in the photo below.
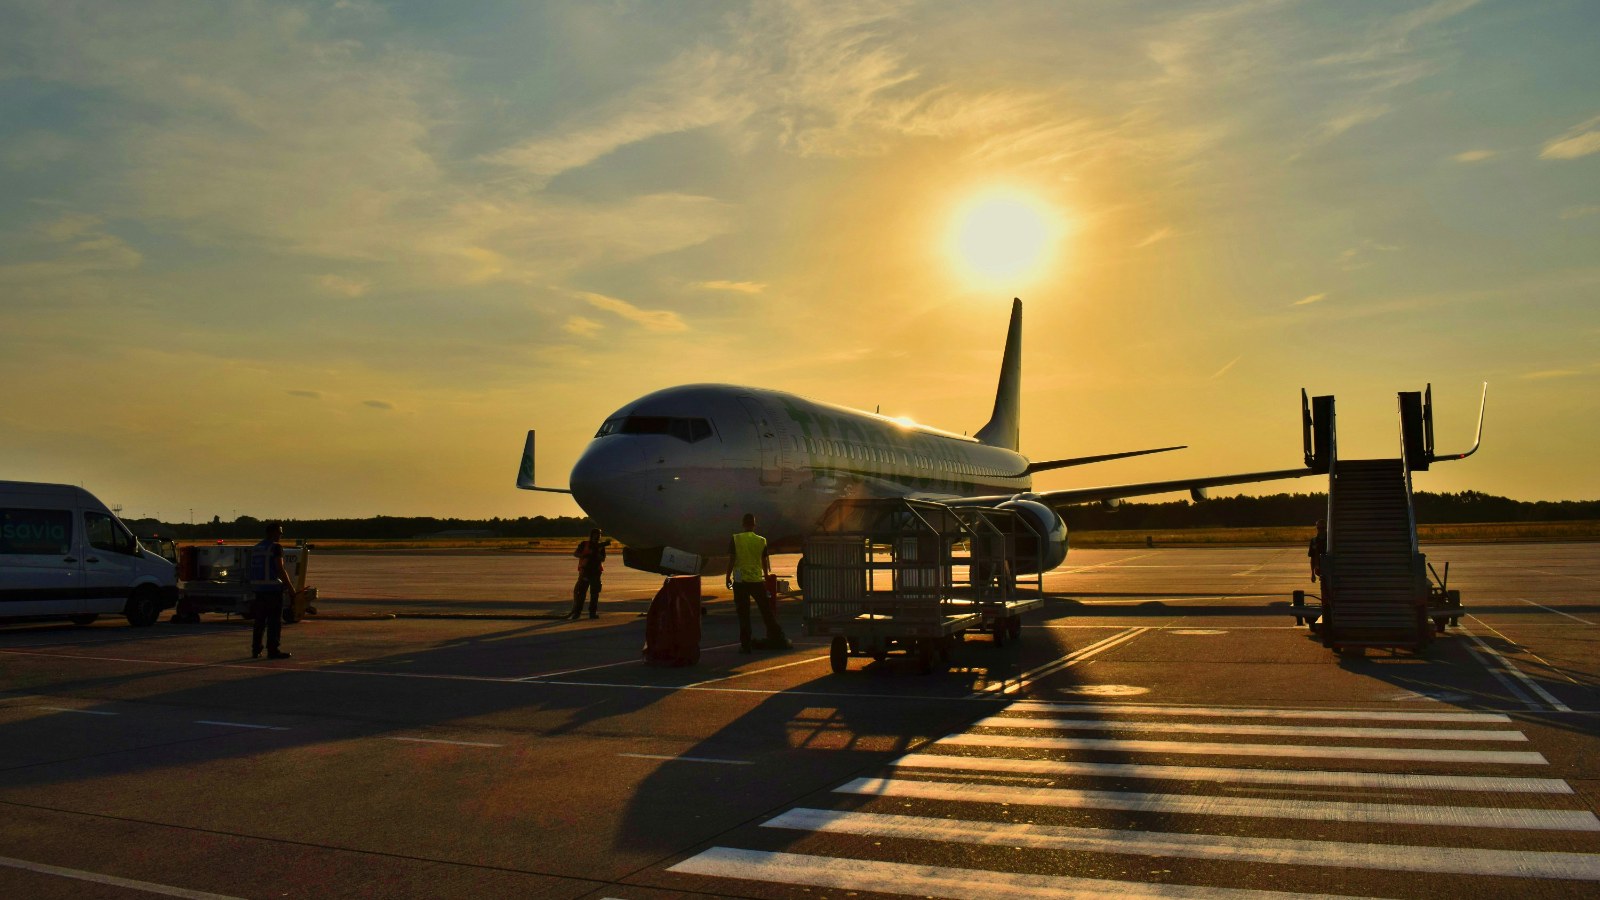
(1048, 523)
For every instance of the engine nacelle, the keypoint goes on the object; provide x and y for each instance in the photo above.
(1049, 524)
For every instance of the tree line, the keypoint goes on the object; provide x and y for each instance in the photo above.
(1306, 509)
(1221, 512)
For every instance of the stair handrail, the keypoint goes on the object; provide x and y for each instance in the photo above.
(1411, 512)
(1333, 467)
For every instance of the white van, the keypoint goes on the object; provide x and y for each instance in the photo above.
(64, 554)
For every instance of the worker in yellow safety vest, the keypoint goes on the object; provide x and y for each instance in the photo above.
(747, 575)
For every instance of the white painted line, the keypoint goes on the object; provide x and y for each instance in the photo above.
(83, 712)
(698, 759)
(1365, 780)
(1064, 662)
(241, 725)
(1556, 611)
(945, 881)
(417, 740)
(1517, 673)
(1443, 860)
(1333, 731)
(635, 661)
(1260, 808)
(812, 659)
(1282, 751)
(148, 887)
(1115, 562)
(1343, 715)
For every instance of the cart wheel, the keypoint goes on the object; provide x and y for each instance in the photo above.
(1438, 624)
(838, 654)
(1014, 628)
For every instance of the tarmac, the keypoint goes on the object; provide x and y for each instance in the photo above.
(1162, 729)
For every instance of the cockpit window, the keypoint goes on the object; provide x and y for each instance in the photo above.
(688, 430)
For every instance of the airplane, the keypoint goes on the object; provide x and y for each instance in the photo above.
(671, 474)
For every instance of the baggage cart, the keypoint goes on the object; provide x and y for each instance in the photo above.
(215, 578)
(913, 577)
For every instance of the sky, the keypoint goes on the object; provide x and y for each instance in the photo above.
(333, 259)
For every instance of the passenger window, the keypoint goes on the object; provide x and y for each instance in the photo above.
(35, 532)
(105, 533)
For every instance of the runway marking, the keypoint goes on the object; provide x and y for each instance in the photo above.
(1428, 754)
(148, 887)
(698, 759)
(1542, 661)
(1556, 611)
(944, 881)
(1517, 673)
(1065, 662)
(812, 659)
(1342, 715)
(1398, 734)
(241, 725)
(1263, 808)
(1372, 780)
(627, 662)
(417, 740)
(1444, 860)
(1077, 569)
(82, 712)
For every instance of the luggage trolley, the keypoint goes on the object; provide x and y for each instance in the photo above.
(899, 575)
(1004, 568)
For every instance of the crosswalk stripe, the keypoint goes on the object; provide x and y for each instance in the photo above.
(1343, 715)
(1284, 751)
(946, 881)
(1371, 780)
(1450, 860)
(1274, 808)
(1397, 734)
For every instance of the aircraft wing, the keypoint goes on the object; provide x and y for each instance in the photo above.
(1120, 491)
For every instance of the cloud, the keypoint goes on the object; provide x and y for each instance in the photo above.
(1472, 156)
(378, 404)
(344, 287)
(1314, 298)
(658, 320)
(1580, 140)
(1550, 373)
(309, 395)
(1160, 234)
(69, 245)
(1363, 254)
(1579, 212)
(581, 326)
(737, 287)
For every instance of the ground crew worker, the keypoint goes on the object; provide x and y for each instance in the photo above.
(591, 556)
(747, 575)
(269, 579)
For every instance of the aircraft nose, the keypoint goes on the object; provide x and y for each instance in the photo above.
(603, 479)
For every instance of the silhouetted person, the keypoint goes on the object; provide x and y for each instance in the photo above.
(269, 578)
(591, 556)
(1319, 545)
(747, 575)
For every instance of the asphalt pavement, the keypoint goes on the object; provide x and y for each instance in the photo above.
(1161, 729)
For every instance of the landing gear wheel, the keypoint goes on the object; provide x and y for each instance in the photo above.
(800, 574)
(838, 654)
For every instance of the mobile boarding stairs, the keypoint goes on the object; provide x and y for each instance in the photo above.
(1376, 585)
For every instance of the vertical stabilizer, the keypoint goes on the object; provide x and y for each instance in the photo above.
(1004, 424)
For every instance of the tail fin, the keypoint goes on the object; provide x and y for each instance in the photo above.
(1006, 421)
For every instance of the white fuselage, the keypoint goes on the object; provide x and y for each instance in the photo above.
(678, 468)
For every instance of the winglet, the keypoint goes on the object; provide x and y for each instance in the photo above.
(1004, 424)
(525, 471)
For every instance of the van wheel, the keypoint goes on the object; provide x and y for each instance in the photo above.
(84, 619)
(143, 607)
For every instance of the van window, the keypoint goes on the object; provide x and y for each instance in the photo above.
(42, 532)
(105, 533)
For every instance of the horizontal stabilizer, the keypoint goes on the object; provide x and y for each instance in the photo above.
(1121, 491)
(1086, 460)
(525, 471)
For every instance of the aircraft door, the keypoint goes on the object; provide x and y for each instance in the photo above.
(767, 437)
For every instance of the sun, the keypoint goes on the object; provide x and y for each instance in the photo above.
(1003, 238)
